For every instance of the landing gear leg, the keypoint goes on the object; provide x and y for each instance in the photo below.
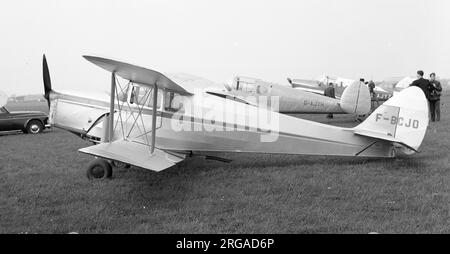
(99, 169)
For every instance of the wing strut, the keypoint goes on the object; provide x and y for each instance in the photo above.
(155, 104)
(111, 107)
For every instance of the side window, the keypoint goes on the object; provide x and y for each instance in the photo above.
(247, 87)
(150, 99)
(144, 96)
(173, 102)
(136, 95)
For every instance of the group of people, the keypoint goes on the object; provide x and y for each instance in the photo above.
(432, 89)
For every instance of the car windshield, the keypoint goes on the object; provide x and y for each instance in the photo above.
(3, 110)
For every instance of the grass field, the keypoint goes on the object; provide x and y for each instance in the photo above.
(43, 189)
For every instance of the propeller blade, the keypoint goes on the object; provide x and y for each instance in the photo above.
(47, 80)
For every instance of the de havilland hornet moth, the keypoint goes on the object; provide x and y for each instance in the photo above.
(355, 99)
(155, 121)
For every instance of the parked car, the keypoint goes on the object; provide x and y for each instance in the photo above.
(32, 122)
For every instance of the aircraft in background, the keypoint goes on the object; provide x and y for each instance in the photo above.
(403, 83)
(155, 121)
(355, 98)
(318, 86)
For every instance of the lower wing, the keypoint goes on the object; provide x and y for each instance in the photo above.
(135, 154)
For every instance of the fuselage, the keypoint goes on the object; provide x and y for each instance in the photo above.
(203, 122)
(290, 100)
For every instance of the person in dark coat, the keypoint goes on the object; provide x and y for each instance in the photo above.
(423, 84)
(435, 98)
(373, 95)
(329, 92)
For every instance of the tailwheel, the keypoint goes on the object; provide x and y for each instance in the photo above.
(99, 169)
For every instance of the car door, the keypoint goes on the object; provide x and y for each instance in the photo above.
(5, 123)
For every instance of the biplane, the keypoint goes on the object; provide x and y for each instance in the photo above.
(154, 121)
(355, 99)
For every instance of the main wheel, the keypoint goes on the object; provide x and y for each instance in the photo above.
(34, 127)
(99, 169)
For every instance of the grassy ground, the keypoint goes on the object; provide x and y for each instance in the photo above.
(43, 189)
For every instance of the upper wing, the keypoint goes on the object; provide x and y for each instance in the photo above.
(135, 154)
(137, 74)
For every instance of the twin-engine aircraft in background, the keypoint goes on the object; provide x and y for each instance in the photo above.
(355, 98)
(155, 121)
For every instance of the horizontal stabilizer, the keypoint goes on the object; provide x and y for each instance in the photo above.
(380, 135)
(137, 74)
(134, 154)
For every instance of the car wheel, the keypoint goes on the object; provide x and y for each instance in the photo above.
(99, 169)
(34, 127)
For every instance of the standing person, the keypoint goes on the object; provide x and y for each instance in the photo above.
(435, 98)
(423, 84)
(329, 92)
(373, 96)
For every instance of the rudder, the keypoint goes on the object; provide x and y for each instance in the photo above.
(356, 99)
(402, 119)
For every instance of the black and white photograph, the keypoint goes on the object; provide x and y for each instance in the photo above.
(249, 118)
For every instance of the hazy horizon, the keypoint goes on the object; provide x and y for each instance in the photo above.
(217, 40)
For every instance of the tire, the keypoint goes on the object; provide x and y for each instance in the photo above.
(34, 127)
(99, 169)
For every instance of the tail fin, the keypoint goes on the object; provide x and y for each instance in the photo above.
(356, 99)
(402, 119)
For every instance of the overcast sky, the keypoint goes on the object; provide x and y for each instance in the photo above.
(220, 39)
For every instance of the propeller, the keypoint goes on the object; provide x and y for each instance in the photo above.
(47, 81)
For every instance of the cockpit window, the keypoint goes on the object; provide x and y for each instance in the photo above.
(173, 101)
(144, 96)
(245, 84)
(247, 87)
